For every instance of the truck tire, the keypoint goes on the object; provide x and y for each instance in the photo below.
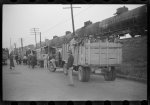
(107, 76)
(113, 73)
(51, 67)
(87, 69)
(110, 75)
(83, 74)
(65, 69)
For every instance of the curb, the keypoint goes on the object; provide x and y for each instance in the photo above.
(132, 78)
(142, 80)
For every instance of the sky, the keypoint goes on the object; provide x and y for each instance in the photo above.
(50, 19)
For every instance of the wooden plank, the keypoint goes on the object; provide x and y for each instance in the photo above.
(89, 52)
(113, 61)
(102, 44)
(94, 59)
(95, 51)
(75, 55)
(99, 52)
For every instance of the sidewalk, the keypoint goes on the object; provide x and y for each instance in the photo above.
(143, 80)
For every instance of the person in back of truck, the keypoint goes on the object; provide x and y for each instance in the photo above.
(70, 67)
(72, 44)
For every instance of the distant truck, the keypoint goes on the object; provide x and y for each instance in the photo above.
(49, 52)
(89, 57)
(40, 53)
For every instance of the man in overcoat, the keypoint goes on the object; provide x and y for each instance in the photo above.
(70, 67)
(33, 60)
(12, 66)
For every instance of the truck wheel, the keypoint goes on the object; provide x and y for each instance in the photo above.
(65, 69)
(81, 74)
(51, 67)
(113, 73)
(87, 75)
(107, 76)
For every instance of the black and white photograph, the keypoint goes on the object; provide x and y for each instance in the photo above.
(74, 52)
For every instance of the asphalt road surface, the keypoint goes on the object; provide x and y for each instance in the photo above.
(38, 84)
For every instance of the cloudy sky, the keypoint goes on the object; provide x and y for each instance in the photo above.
(18, 20)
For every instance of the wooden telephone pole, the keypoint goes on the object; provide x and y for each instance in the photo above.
(73, 27)
(40, 39)
(21, 44)
(34, 31)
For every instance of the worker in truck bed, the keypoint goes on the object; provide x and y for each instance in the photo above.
(73, 42)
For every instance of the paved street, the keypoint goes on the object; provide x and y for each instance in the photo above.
(40, 84)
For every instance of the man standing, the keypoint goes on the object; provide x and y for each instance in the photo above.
(33, 60)
(29, 60)
(45, 61)
(12, 66)
(70, 67)
(16, 58)
(24, 59)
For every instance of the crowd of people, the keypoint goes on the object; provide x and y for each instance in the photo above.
(29, 60)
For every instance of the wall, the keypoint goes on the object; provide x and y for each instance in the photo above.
(134, 53)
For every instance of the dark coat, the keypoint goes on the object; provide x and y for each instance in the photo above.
(29, 59)
(11, 61)
(33, 60)
(16, 57)
(70, 61)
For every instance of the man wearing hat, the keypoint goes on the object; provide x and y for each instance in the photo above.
(70, 67)
(12, 66)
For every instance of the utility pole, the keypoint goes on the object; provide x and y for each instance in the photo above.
(15, 45)
(22, 44)
(15, 48)
(34, 31)
(40, 39)
(73, 27)
(10, 43)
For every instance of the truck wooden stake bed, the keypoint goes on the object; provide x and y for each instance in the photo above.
(91, 55)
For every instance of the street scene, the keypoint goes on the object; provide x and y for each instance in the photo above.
(25, 83)
(82, 56)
